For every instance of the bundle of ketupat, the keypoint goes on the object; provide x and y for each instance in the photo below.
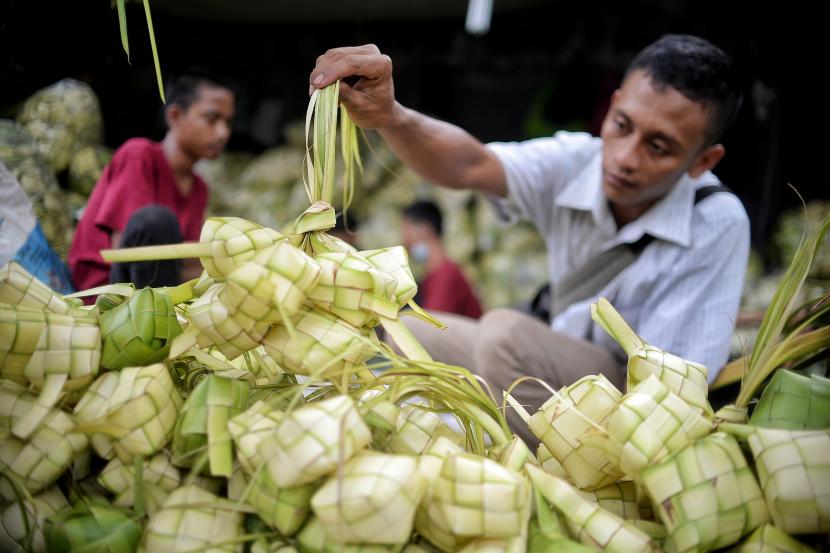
(62, 118)
(57, 128)
(85, 168)
(52, 204)
(305, 443)
(16, 143)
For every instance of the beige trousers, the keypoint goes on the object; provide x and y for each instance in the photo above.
(505, 345)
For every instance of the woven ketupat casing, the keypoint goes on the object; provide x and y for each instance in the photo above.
(793, 401)
(571, 415)
(650, 423)
(132, 411)
(159, 478)
(203, 421)
(706, 495)
(372, 501)
(478, 497)
(794, 471)
(588, 522)
(38, 461)
(621, 499)
(284, 509)
(354, 290)
(311, 441)
(232, 242)
(20, 331)
(273, 285)
(193, 519)
(139, 331)
(23, 521)
(69, 345)
(685, 378)
(19, 287)
(395, 262)
(233, 333)
(322, 345)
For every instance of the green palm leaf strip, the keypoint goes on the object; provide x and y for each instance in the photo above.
(122, 25)
(770, 349)
(155, 50)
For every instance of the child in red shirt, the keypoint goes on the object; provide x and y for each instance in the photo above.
(148, 194)
(443, 287)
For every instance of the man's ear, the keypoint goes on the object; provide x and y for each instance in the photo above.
(707, 159)
(172, 114)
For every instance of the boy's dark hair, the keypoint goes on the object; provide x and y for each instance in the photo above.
(185, 89)
(697, 69)
(425, 211)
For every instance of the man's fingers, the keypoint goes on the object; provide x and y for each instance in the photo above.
(348, 95)
(370, 66)
(335, 54)
(355, 65)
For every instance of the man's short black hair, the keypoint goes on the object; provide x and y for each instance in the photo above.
(425, 211)
(697, 69)
(185, 89)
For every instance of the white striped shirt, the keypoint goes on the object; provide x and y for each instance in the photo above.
(681, 294)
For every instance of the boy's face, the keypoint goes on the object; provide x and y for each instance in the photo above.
(650, 139)
(204, 128)
(413, 232)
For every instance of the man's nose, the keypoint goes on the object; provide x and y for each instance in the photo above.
(223, 130)
(628, 156)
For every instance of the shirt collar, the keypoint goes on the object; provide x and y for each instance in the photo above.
(669, 219)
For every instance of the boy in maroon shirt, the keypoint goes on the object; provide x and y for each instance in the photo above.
(443, 287)
(149, 194)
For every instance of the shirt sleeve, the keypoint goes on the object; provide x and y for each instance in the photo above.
(130, 188)
(691, 312)
(536, 171)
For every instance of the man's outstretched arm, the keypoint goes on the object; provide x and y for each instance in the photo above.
(438, 151)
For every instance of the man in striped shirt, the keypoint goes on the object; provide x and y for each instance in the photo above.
(590, 198)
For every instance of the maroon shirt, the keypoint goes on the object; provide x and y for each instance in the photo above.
(138, 175)
(446, 289)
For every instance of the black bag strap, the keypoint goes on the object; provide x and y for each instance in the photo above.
(598, 271)
(700, 194)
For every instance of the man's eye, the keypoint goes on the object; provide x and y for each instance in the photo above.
(620, 125)
(658, 149)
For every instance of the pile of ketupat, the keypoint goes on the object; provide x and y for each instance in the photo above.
(256, 410)
(59, 131)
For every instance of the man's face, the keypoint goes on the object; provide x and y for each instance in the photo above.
(205, 127)
(650, 139)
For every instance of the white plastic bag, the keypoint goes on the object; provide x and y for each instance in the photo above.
(22, 240)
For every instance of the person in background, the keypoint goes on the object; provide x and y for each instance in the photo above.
(148, 194)
(443, 287)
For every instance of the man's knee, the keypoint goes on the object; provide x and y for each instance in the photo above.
(497, 357)
(151, 225)
(496, 330)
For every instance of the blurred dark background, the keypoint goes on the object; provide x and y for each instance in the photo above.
(543, 66)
